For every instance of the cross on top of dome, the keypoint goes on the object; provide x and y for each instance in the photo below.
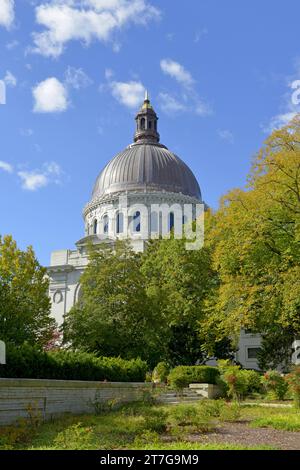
(146, 123)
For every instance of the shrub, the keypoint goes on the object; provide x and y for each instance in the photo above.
(212, 408)
(189, 418)
(235, 381)
(29, 362)
(221, 409)
(161, 372)
(182, 376)
(275, 384)
(293, 380)
(230, 412)
(253, 381)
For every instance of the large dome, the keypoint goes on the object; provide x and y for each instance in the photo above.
(146, 166)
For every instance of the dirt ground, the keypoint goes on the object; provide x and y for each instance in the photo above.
(241, 433)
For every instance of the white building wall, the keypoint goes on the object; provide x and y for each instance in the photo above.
(249, 343)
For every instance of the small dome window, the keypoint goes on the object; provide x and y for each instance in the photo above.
(105, 224)
(143, 124)
(171, 221)
(95, 227)
(137, 222)
(120, 222)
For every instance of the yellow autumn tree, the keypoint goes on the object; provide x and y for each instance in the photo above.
(255, 236)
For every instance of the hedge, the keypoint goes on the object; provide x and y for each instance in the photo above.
(30, 363)
(182, 376)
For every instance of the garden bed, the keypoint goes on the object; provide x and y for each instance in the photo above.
(144, 426)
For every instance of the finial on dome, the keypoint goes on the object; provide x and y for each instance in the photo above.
(147, 95)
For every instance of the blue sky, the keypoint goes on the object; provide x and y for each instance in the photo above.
(219, 75)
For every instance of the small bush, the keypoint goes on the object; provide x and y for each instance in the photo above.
(181, 376)
(230, 412)
(235, 381)
(212, 408)
(221, 409)
(293, 380)
(161, 372)
(253, 381)
(31, 363)
(275, 384)
(189, 418)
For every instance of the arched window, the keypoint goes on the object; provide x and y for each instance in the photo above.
(154, 226)
(143, 124)
(171, 220)
(150, 125)
(105, 223)
(137, 222)
(120, 222)
(95, 227)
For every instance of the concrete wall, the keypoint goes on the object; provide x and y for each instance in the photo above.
(50, 398)
(206, 390)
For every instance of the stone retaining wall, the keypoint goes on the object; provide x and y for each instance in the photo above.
(206, 390)
(48, 398)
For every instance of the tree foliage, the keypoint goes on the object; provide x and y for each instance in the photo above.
(255, 239)
(24, 300)
(114, 316)
(178, 283)
(146, 305)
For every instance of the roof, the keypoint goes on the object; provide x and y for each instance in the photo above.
(146, 166)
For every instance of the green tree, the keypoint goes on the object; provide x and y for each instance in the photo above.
(178, 282)
(255, 239)
(114, 316)
(24, 300)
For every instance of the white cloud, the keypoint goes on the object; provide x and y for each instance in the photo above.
(77, 78)
(50, 96)
(130, 94)
(31, 181)
(10, 79)
(85, 20)
(289, 106)
(177, 71)
(36, 179)
(226, 135)
(11, 45)
(7, 13)
(6, 167)
(189, 98)
(170, 105)
(280, 120)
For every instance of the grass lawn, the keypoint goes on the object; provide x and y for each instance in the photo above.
(142, 426)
